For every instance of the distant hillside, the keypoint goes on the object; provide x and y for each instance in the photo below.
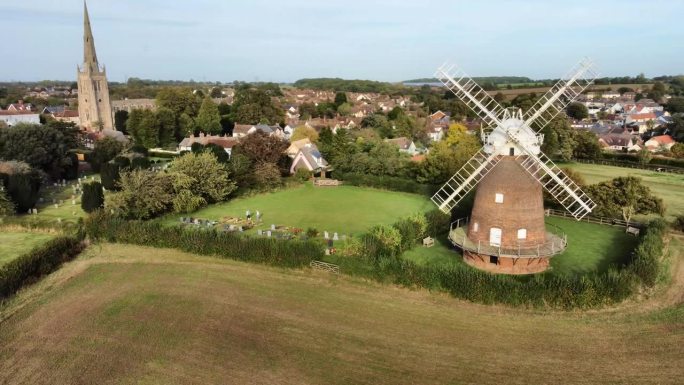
(337, 84)
(483, 79)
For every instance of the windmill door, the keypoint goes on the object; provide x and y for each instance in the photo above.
(495, 236)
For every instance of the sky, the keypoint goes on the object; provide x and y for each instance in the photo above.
(386, 40)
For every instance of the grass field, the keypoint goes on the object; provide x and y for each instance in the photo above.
(343, 209)
(136, 315)
(16, 243)
(591, 247)
(668, 186)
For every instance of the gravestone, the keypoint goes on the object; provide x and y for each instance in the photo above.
(335, 237)
(268, 233)
(260, 232)
(326, 235)
(272, 227)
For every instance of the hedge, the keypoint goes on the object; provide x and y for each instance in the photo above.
(550, 290)
(633, 158)
(40, 261)
(387, 182)
(270, 251)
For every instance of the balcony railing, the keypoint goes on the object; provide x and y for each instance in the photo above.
(554, 244)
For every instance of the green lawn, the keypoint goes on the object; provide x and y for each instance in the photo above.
(442, 253)
(16, 243)
(343, 209)
(591, 247)
(668, 186)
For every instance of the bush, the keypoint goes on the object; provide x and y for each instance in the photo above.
(39, 261)
(311, 232)
(23, 189)
(70, 171)
(302, 174)
(678, 223)
(93, 197)
(110, 175)
(140, 163)
(285, 253)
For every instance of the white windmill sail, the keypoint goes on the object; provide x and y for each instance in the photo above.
(540, 166)
(489, 110)
(550, 176)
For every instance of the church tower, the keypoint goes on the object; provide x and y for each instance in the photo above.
(94, 108)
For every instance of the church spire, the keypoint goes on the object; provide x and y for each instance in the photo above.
(89, 55)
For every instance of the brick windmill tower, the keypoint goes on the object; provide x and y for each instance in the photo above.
(506, 231)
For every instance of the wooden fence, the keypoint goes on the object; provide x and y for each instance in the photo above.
(597, 220)
(617, 163)
(329, 267)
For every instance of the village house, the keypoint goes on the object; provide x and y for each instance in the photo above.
(660, 143)
(225, 142)
(309, 158)
(405, 145)
(619, 142)
(297, 145)
(242, 130)
(10, 118)
(20, 106)
(133, 104)
(69, 116)
(49, 110)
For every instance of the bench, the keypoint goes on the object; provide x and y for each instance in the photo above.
(632, 230)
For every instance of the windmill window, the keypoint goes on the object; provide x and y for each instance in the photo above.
(522, 233)
(498, 198)
(511, 151)
(476, 227)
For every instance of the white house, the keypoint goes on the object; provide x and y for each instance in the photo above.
(405, 145)
(309, 158)
(14, 117)
(660, 142)
(226, 142)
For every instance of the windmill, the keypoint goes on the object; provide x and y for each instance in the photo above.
(506, 232)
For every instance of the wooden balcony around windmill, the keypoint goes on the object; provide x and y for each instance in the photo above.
(555, 243)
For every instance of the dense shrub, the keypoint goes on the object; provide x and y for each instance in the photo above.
(93, 197)
(387, 182)
(22, 188)
(70, 170)
(678, 223)
(110, 174)
(140, 163)
(286, 253)
(39, 261)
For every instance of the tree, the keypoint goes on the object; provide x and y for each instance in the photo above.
(209, 178)
(577, 111)
(106, 149)
(586, 145)
(252, 105)
(447, 156)
(110, 175)
(677, 150)
(6, 204)
(209, 119)
(267, 175)
(675, 105)
(120, 119)
(23, 188)
(340, 99)
(144, 194)
(262, 148)
(216, 92)
(93, 197)
(42, 147)
(644, 156)
(624, 90)
(302, 132)
(344, 109)
(624, 197)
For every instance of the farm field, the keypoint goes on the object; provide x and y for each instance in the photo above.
(127, 314)
(511, 94)
(668, 186)
(16, 243)
(343, 209)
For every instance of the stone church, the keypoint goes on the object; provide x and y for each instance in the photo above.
(94, 108)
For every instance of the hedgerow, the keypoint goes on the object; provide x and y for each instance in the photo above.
(40, 261)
